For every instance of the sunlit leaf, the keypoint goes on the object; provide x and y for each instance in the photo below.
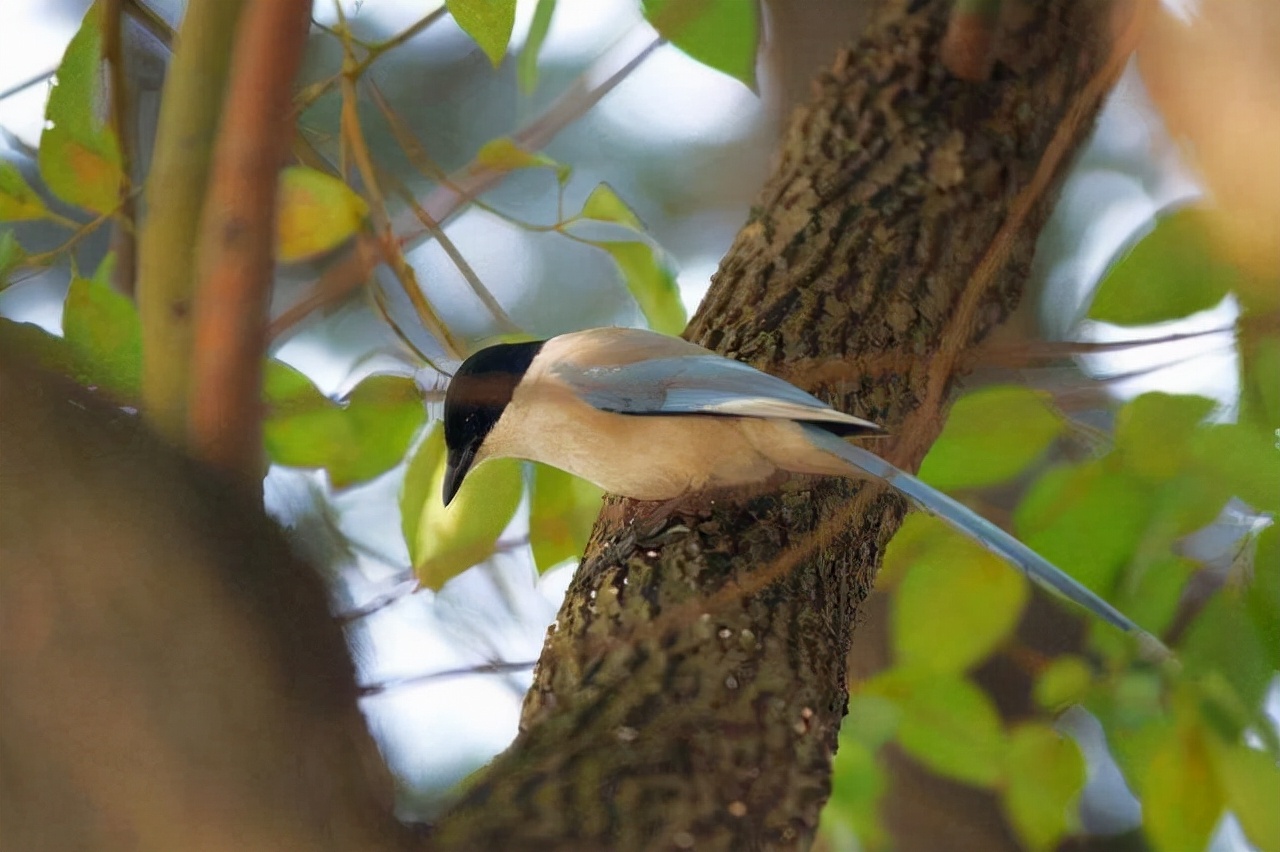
(504, 155)
(1045, 775)
(1251, 781)
(991, 436)
(1065, 681)
(651, 281)
(1181, 796)
(317, 213)
(364, 436)
(489, 22)
(948, 724)
(11, 255)
(1170, 273)
(562, 511)
(1244, 457)
(1087, 520)
(527, 67)
(954, 605)
(445, 541)
(1153, 432)
(102, 330)
(721, 34)
(18, 201)
(604, 205)
(79, 157)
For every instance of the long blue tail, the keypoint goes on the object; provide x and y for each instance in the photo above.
(973, 526)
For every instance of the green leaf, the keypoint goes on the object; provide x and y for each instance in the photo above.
(604, 205)
(874, 720)
(1153, 432)
(103, 333)
(1045, 775)
(1065, 681)
(1260, 384)
(991, 436)
(489, 22)
(527, 67)
(1225, 642)
(362, 437)
(1181, 797)
(1132, 713)
(317, 213)
(948, 724)
(79, 157)
(651, 281)
(1251, 781)
(721, 34)
(1087, 520)
(954, 605)
(1150, 595)
(504, 155)
(18, 201)
(1262, 596)
(11, 256)
(1170, 273)
(1246, 458)
(562, 511)
(445, 541)
(858, 785)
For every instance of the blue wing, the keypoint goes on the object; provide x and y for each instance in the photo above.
(701, 384)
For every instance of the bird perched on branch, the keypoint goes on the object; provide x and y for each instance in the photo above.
(654, 417)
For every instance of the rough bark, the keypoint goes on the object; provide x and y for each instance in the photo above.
(691, 690)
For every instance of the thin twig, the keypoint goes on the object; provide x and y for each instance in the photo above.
(34, 80)
(124, 241)
(235, 254)
(417, 680)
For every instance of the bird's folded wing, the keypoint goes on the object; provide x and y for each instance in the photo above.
(701, 384)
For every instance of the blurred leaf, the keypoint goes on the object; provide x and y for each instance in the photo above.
(1246, 458)
(954, 605)
(991, 436)
(1260, 384)
(1132, 713)
(948, 724)
(1251, 781)
(1151, 593)
(651, 281)
(1189, 502)
(604, 205)
(36, 345)
(1065, 681)
(1153, 432)
(1262, 597)
(1046, 773)
(562, 511)
(103, 333)
(527, 67)
(1181, 797)
(1086, 519)
(317, 212)
(79, 157)
(445, 541)
(1224, 642)
(873, 719)
(1170, 273)
(858, 784)
(721, 34)
(504, 155)
(364, 436)
(917, 535)
(489, 22)
(18, 201)
(11, 255)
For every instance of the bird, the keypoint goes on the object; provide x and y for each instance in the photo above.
(656, 418)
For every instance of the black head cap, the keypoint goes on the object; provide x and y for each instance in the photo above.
(476, 398)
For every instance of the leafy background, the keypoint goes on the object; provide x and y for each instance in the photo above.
(1151, 472)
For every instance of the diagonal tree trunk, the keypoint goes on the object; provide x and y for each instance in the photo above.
(690, 692)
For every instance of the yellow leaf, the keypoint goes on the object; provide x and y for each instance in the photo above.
(316, 213)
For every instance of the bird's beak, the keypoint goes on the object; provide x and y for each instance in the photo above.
(455, 470)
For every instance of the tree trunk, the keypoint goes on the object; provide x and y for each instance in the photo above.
(691, 691)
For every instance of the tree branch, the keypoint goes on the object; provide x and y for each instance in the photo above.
(235, 253)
